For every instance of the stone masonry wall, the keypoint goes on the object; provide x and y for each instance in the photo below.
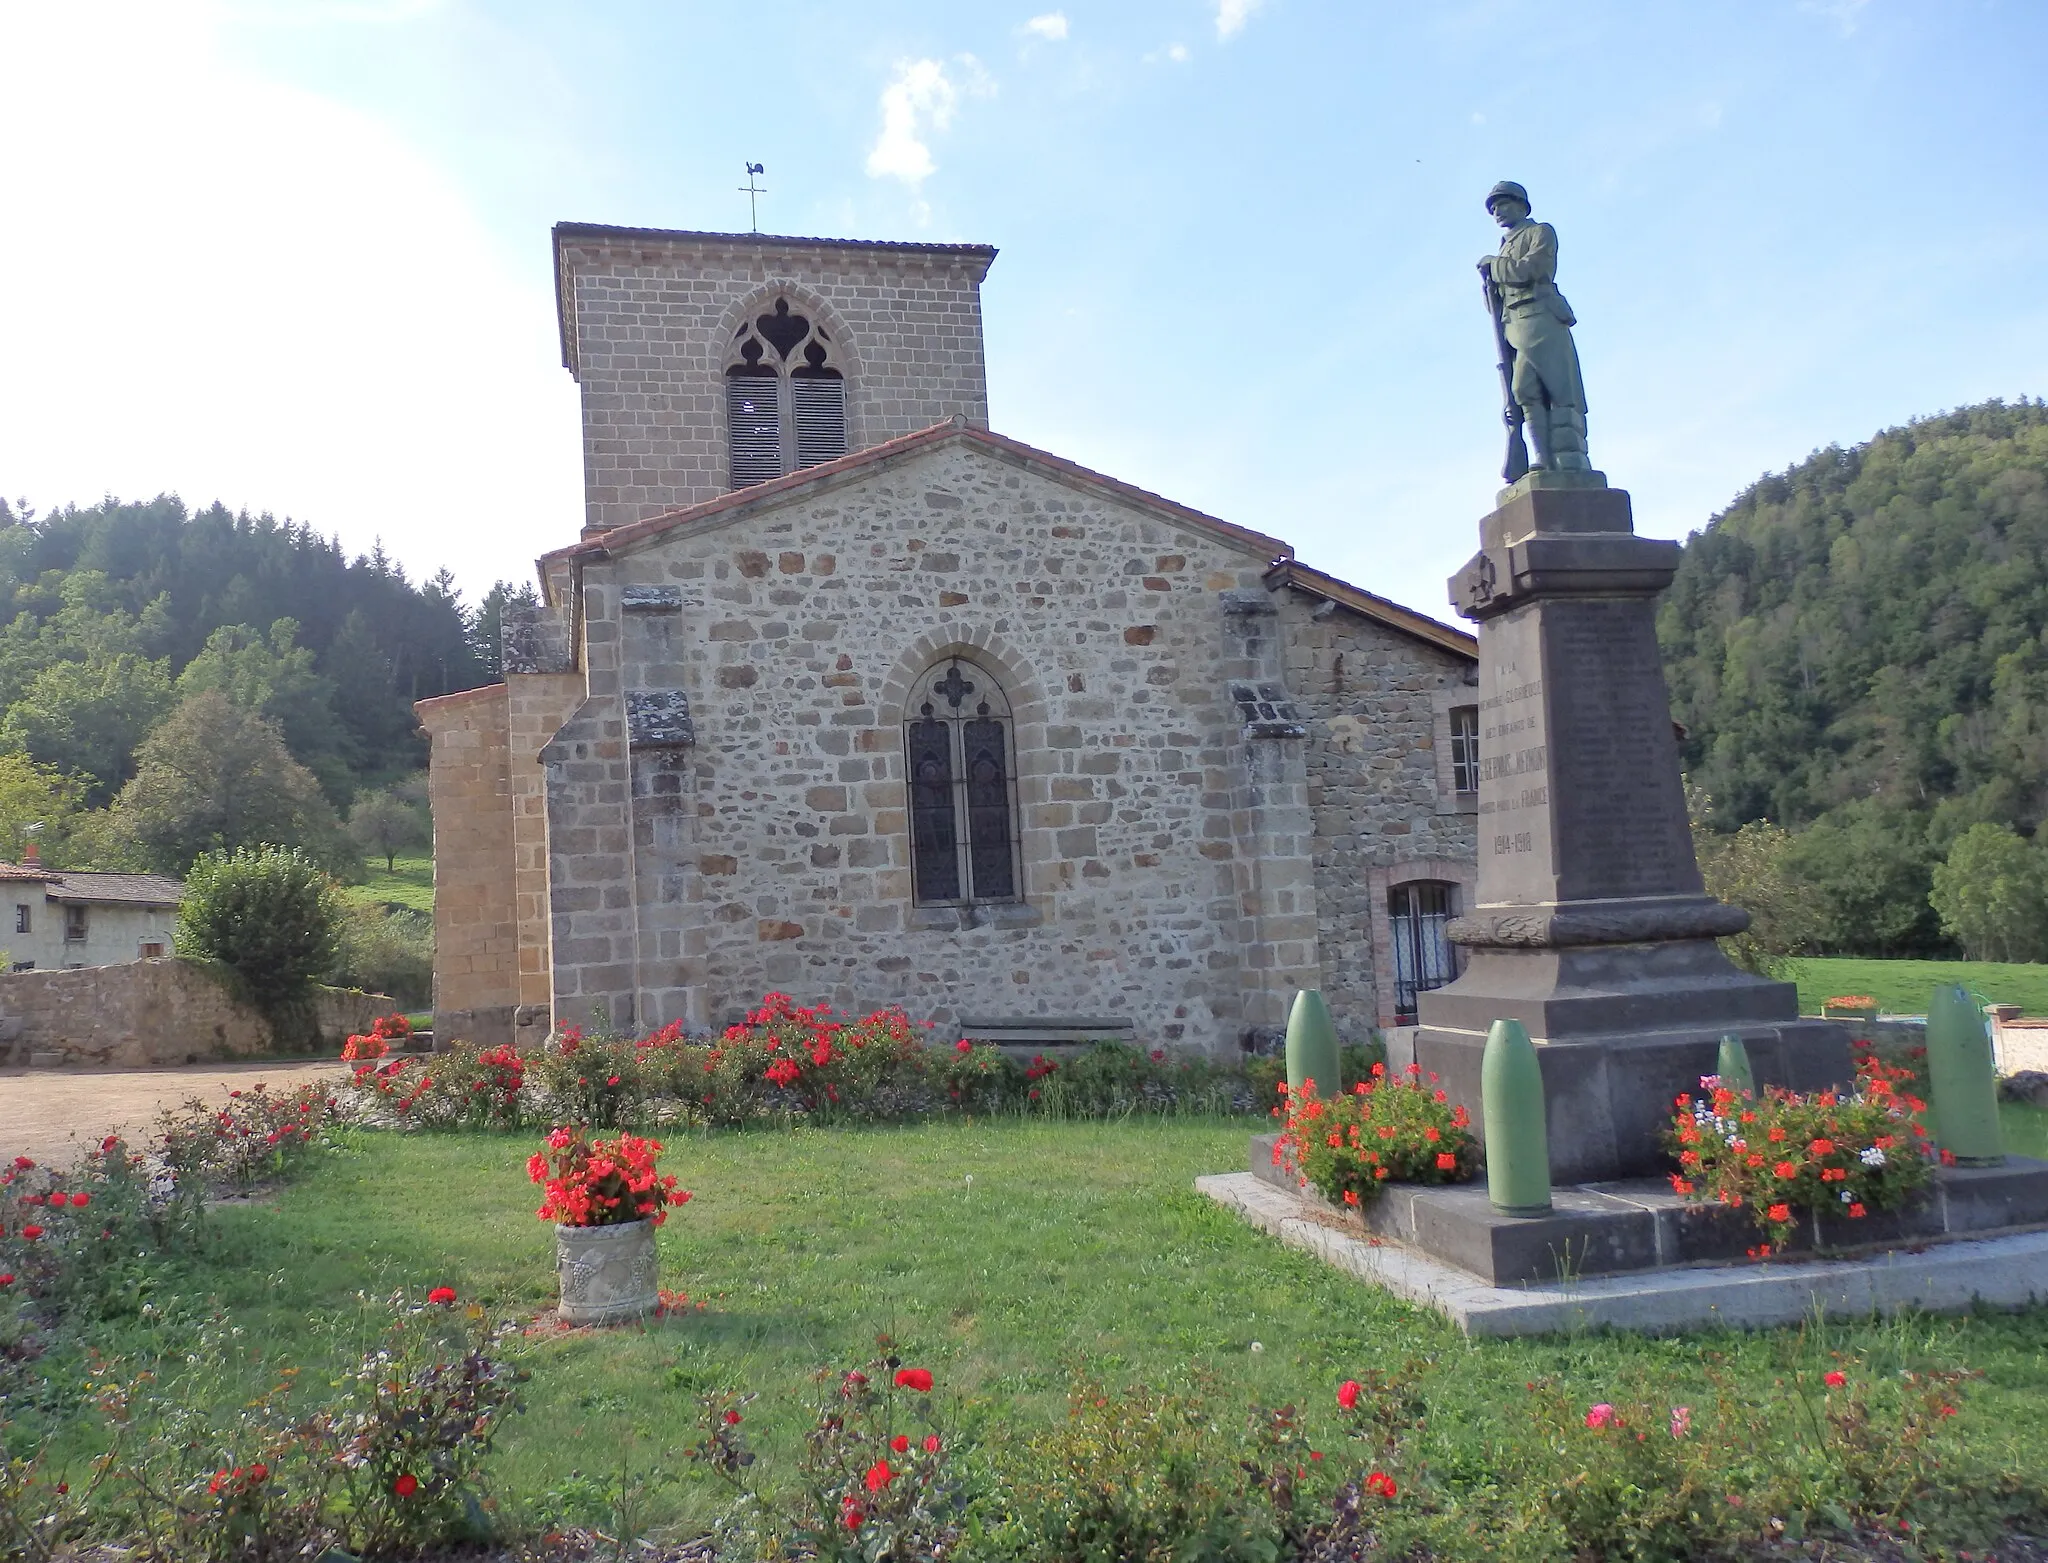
(653, 318)
(769, 848)
(148, 1014)
(469, 789)
(1366, 692)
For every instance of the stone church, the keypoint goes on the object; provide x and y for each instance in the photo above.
(840, 693)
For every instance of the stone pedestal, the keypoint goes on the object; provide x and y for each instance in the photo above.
(1591, 925)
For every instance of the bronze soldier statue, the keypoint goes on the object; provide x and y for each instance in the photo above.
(1540, 362)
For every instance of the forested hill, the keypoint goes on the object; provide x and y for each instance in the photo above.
(112, 614)
(1870, 625)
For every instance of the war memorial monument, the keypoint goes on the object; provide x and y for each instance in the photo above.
(1592, 929)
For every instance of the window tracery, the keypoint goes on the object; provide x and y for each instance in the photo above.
(785, 395)
(960, 765)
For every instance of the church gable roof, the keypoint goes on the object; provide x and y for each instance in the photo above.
(1293, 573)
(748, 502)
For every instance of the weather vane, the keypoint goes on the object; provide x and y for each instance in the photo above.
(754, 194)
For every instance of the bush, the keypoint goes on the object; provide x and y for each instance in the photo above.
(268, 914)
(388, 1463)
(1782, 1154)
(385, 950)
(876, 1480)
(783, 1063)
(1387, 1128)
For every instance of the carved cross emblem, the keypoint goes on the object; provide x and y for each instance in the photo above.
(954, 687)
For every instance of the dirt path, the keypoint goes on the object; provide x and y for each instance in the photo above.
(54, 1114)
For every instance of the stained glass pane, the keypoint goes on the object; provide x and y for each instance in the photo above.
(934, 842)
(990, 860)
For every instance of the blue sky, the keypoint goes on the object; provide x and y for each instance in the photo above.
(294, 253)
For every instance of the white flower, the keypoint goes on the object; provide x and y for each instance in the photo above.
(1845, 1196)
(1257, 1346)
(1872, 1157)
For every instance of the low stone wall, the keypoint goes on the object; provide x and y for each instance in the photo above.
(145, 1014)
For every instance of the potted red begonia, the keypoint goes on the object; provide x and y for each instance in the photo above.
(605, 1197)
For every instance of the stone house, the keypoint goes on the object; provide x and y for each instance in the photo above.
(58, 919)
(842, 694)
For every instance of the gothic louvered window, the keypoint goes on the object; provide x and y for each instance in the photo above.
(1418, 917)
(962, 779)
(785, 396)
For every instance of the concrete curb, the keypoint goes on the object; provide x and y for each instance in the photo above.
(1952, 1277)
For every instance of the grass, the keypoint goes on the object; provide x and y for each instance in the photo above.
(410, 884)
(1005, 1256)
(1903, 987)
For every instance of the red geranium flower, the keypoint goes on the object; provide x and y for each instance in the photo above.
(31, 1232)
(1381, 1485)
(7, 1280)
(879, 1476)
(444, 1295)
(931, 1443)
(406, 1485)
(919, 1379)
(1779, 1213)
(900, 1443)
(1834, 1378)
(1446, 1162)
(1348, 1393)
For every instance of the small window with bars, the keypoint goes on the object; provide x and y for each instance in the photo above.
(961, 768)
(785, 396)
(1418, 917)
(1465, 749)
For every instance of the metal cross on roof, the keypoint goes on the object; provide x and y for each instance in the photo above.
(754, 195)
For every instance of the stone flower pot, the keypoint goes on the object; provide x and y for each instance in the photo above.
(608, 1273)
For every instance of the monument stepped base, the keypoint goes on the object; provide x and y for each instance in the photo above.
(1633, 1255)
(1996, 1271)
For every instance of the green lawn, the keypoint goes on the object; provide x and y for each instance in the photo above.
(1902, 987)
(410, 884)
(1006, 1257)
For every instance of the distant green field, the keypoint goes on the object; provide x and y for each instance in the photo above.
(1903, 987)
(411, 884)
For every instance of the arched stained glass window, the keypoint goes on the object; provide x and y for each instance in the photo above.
(785, 396)
(960, 762)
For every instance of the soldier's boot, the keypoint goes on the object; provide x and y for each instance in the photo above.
(1558, 435)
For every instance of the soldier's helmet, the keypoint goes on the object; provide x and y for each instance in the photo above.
(1506, 187)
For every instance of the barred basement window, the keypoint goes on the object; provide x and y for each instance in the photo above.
(963, 808)
(1418, 915)
(785, 396)
(1465, 748)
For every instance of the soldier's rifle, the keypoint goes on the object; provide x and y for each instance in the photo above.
(1517, 463)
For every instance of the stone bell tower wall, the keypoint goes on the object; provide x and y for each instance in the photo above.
(647, 317)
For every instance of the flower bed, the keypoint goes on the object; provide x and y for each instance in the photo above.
(786, 1061)
(1388, 1128)
(1783, 1155)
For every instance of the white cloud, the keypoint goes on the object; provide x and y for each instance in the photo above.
(1176, 52)
(1231, 15)
(1052, 26)
(918, 101)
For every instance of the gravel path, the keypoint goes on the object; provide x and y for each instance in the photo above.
(54, 1114)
